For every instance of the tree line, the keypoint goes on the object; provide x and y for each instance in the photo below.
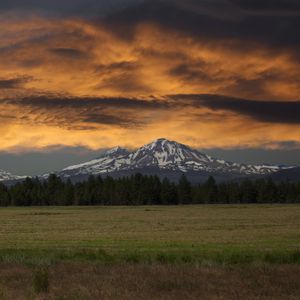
(145, 190)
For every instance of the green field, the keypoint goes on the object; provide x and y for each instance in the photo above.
(203, 234)
(176, 252)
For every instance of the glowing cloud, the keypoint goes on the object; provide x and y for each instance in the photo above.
(98, 83)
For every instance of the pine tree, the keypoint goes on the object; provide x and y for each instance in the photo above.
(210, 191)
(69, 193)
(168, 194)
(248, 192)
(184, 190)
(4, 196)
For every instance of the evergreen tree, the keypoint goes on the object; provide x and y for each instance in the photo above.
(168, 193)
(139, 189)
(248, 192)
(184, 191)
(210, 191)
(69, 193)
(4, 196)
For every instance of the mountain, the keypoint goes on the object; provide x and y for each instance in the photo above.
(292, 175)
(6, 176)
(165, 158)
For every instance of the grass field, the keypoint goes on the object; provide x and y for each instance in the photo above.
(183, 252)
(90, 281)
(205, 234)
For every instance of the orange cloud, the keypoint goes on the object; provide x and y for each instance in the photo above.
(62, 59)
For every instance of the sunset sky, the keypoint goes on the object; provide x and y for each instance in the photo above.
(78, 76)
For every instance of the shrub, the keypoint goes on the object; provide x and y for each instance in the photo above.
(41, 280)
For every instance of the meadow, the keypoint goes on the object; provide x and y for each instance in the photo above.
(206, 234)
(151, 252)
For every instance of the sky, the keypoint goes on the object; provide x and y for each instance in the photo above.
(81, 76)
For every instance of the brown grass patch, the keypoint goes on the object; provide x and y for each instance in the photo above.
(91, 281)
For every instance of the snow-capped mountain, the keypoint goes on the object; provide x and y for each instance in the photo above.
(6, 176)
(163, 155)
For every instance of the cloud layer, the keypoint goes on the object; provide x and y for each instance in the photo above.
(217, 73)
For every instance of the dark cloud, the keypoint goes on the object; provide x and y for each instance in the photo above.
(274, 22)
(93, 7)
(87, 102)
(83, 113)
(186, 71)
(257, 87)
(248, 87)
(192, 72)
(269, 5)
(208, 21)
(66, 7)
(69, 53)
(14, 83)
(50, 159)
(127, 112)
(287, 112)
(287, 145)
(110, 119)
(282, 156)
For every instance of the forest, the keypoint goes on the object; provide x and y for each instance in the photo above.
(145, 190)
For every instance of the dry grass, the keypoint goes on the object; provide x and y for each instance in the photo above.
(90, 281)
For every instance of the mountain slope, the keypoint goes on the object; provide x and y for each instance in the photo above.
(292, 175)
(164, 157)
(6, 176)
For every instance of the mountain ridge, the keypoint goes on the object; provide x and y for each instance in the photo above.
(163, 158)
(6, 176)
(164, 155)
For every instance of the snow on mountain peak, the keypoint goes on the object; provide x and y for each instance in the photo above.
(116, 151)
(163, 144)
(163, 154)
(166, 154)
(160, 156)
(5, 176)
